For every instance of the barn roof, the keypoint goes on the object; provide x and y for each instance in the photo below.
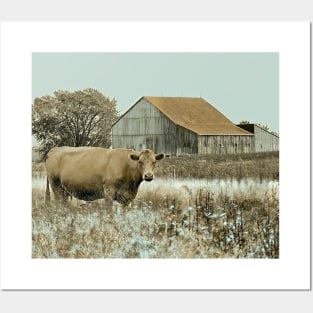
(196, 114)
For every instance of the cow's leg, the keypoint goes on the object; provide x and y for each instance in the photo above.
(109, 196)
(60, 194)
(47, 194)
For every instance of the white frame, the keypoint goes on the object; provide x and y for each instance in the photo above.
(20, 271)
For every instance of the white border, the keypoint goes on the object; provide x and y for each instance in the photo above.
(20, 39)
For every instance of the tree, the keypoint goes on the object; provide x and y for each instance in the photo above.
(263, 126)
(79, 118)
(244, 122)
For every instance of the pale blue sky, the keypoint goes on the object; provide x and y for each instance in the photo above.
(243, 86)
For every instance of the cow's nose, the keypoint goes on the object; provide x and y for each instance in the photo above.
(148, 177)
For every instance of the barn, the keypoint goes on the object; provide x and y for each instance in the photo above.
(179, 126)
(264, 140)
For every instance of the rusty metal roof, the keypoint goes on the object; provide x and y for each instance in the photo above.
(196, 114)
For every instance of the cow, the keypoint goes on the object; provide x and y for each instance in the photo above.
(92, 173)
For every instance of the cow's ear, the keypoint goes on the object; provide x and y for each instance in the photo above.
(159, 156)
(133, 156)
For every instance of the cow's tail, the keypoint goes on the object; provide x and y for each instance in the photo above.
(47, 195)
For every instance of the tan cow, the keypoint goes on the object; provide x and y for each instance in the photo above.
(91, 173)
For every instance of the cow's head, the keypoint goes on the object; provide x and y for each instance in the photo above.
(146, 160)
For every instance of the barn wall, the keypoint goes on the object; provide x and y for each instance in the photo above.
(186, 141)
(226, 144)
(264, 140)
(144, 126)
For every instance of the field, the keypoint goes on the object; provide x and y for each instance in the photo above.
(212, 207)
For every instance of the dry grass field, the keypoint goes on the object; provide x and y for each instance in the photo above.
(228, 209)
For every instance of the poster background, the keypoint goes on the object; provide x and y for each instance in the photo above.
(81, 301)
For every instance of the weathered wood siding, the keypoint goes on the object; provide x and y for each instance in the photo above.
(144, 126)
(226, 144)
(264, 140)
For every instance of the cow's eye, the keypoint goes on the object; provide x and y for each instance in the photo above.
(140, 163)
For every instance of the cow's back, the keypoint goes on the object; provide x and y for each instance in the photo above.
(70, 160)
(89, 165)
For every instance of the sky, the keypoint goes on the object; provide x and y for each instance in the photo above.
(243, 86)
